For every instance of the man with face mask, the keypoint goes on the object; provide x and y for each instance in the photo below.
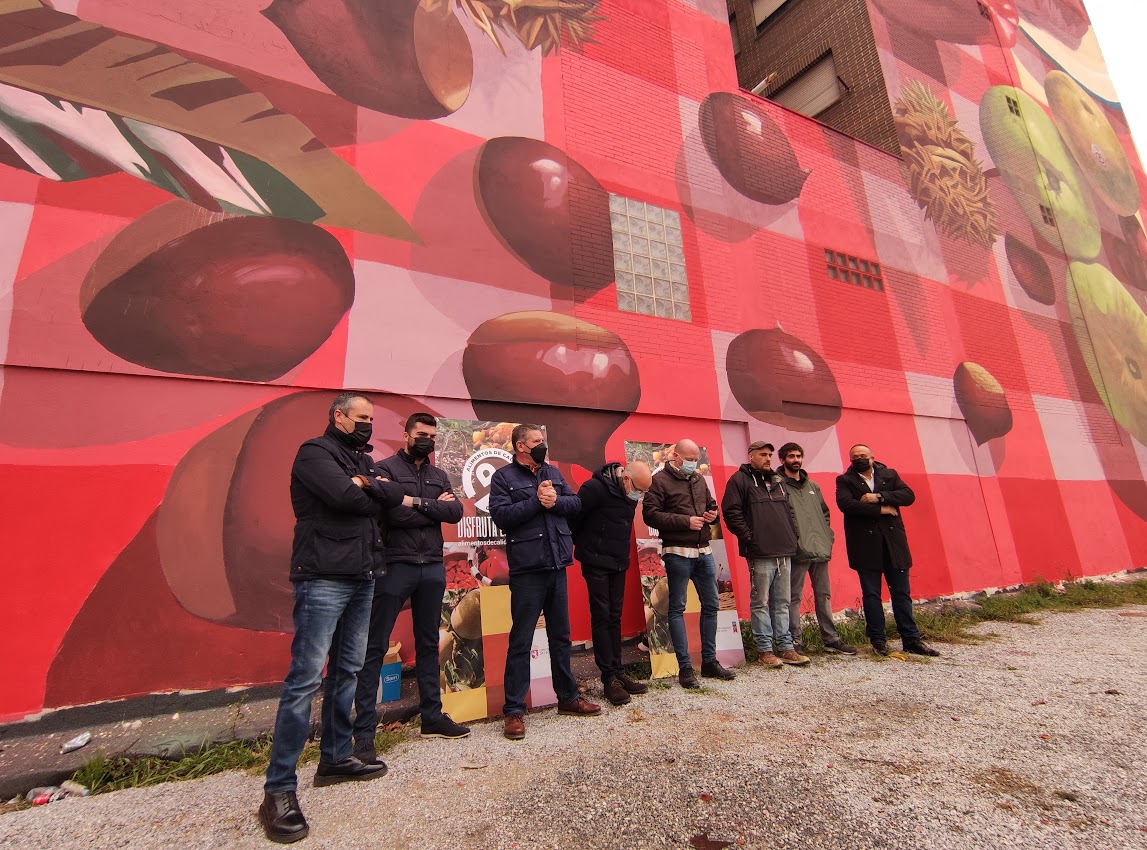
(415, 571)
(603, 531)
(531, 502)
(680, 506)
(871, 496)
(338, 497)
(814, 548)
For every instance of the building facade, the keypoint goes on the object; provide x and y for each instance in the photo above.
(216, 216)
(819, 58)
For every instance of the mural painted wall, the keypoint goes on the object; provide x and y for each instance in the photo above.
(212, 214)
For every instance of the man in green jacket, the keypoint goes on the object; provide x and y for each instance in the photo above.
(814, 548)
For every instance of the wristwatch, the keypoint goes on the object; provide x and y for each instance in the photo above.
(417, 501)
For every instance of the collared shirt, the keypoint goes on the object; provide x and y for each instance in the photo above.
(685, 552)
(871, 482)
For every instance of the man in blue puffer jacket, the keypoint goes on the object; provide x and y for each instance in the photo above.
(530, 502)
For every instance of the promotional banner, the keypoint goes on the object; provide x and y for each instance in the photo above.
(655, 584)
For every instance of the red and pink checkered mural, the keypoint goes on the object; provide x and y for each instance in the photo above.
(212, 214)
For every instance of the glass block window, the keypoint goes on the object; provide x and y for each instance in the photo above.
(649, 260)
(854, 270)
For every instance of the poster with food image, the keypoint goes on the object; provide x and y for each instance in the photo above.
(461, 660)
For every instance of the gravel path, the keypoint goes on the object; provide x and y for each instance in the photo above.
(1034, 739)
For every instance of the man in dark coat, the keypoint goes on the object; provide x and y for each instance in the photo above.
(415, 571)
(680, 506)
(871, 496)
(338, 497)
(757, 510)
(602, 532)
(531, 502)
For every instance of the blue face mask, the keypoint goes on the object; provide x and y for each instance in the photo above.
(688, 466)
(634, 496)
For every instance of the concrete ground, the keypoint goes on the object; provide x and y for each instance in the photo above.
(1032, 739)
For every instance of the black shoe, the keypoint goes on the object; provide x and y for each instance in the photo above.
(632, 686)
(688, 678)
(348, 770)
(616, 693)
(880, 647)
(921, 648)
(839, 649)
(282, 818)
(714, 670)
(367, 755)
(444, 727)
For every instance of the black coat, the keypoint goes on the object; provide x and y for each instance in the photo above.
(536, 538)
(671, 500)
(757, 510)
(337, 530)
(866, 529)
(414, 535)
(603, 529)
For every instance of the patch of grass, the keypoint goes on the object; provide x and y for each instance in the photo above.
(113, 774)
(660, 684)
(639, 670)
(950, 623)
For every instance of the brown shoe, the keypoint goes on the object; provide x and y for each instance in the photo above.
(769, 660)
(791, 656)
(580, 707)
(616, 693)
(515, 728)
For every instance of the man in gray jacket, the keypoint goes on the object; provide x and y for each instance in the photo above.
(814, 548)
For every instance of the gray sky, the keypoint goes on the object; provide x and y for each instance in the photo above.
(1120, 26)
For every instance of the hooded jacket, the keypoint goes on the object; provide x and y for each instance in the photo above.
(671, 500)
(757, 511)
(814, 533)
(603, 529)
(338, 534)
(866, 530)
(414, 535)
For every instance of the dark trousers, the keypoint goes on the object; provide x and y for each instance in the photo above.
(901, 593)
(606, 595)
(423, 585)
(532, 594)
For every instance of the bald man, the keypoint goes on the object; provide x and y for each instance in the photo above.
(602, 532)
(680, 506)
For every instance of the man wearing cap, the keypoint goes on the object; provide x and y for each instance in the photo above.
(757, 510)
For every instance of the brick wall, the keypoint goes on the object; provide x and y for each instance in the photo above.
(800, 33)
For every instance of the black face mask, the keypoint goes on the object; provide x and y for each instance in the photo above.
(861, 464)
(421, 447)
(359, 437)
(538, 453)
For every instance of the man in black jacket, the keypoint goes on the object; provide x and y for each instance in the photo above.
(871, 496)
(602, 533)
(414, 570)
(680, 506)
(757, 510)
(530, 501)
(338, 497)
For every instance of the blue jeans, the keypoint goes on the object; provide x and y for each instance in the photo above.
(702, 571)
(531, 594)
(770, 621)
(331, 618)
(423, 585)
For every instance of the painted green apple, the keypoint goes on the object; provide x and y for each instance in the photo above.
(1039, 171)
(1111, 330)
(1093, 142)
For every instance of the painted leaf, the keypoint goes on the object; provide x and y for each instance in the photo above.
(148, 88)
